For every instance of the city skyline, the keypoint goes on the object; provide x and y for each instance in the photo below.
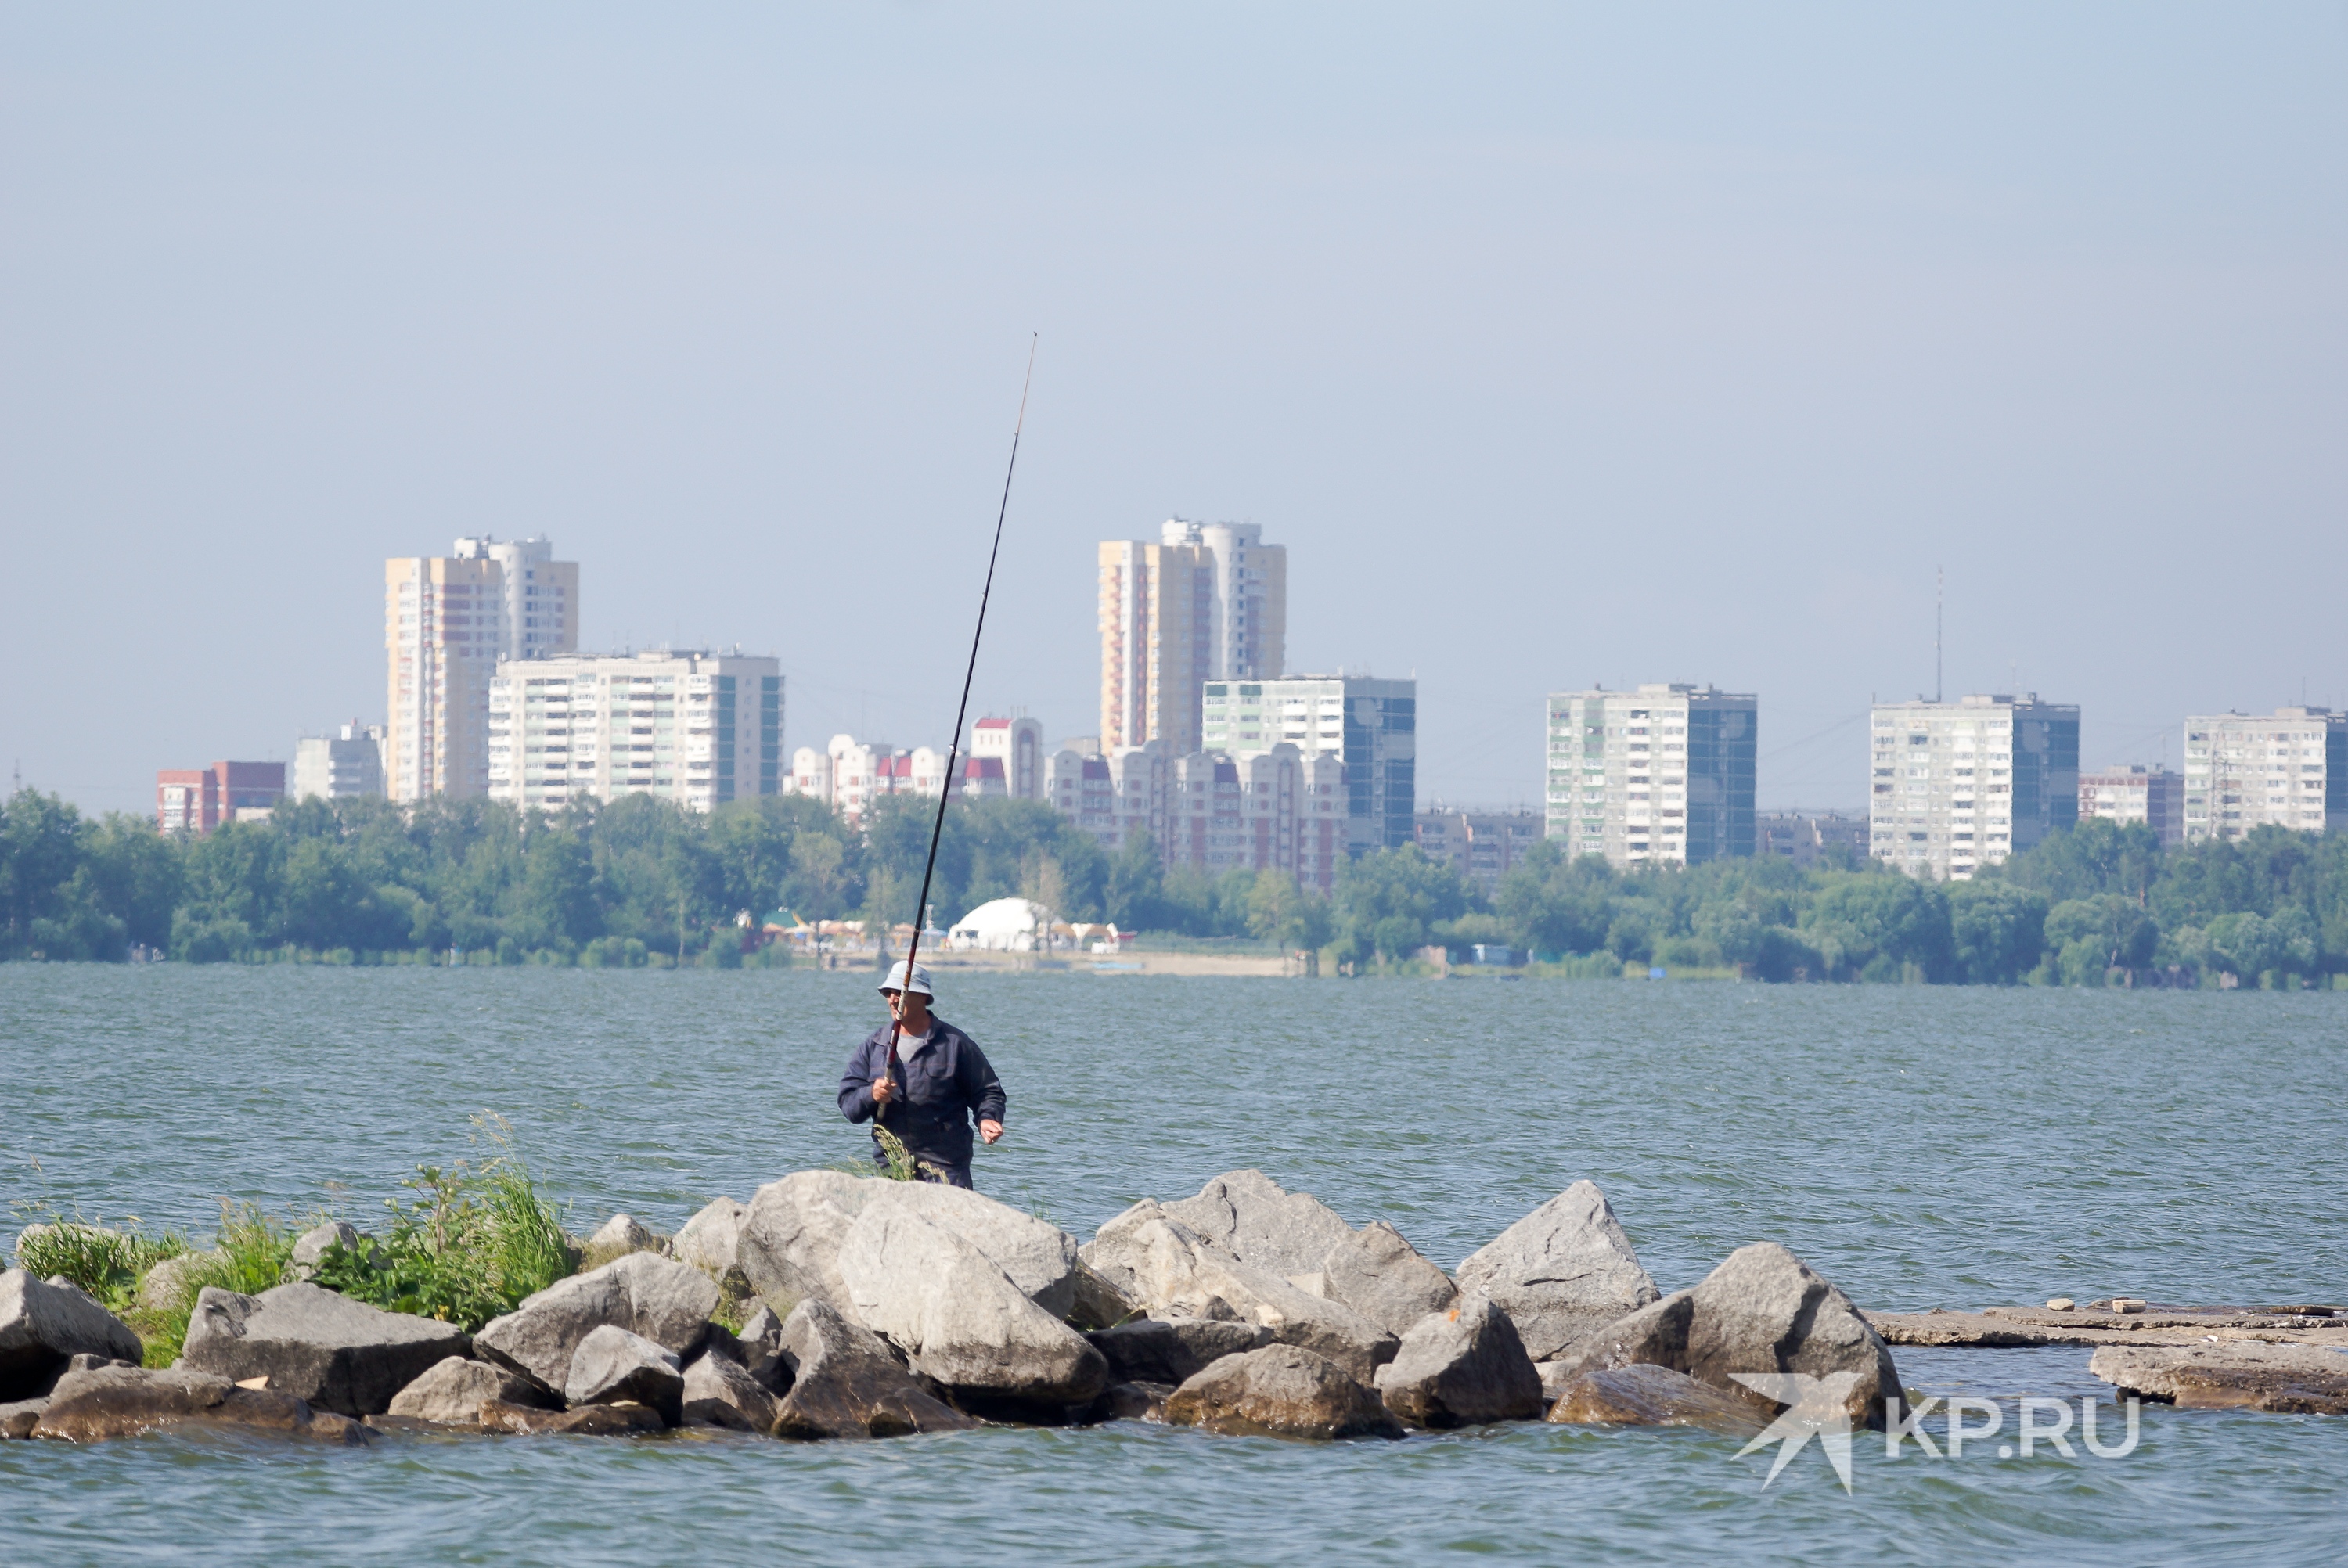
(1558, 347)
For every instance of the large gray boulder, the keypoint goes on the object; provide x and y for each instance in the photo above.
(613, 1366)
(453, 1391)
(961, 1319)
(615, 1239)
(710, 1242)
(845, 1384)
(1280, 1391)
(1384, 1278)
(45, 1325)
(1160, 1264)
(1172, 1350)
(719, 1391)
(787, 1243)
(666, 1302)
(1562, 1272)
(1256, 1220)
(312, 1246)
(2288, 1379)
(1762, 1310)
(338, 1354)
(1462, 1366)
(118, 1401)
(1651, 1397)
(172, 1283)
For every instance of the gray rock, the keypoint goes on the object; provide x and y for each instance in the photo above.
(616, 1239)
(845, 1384)
(1134, 1402)
(45, 1325)
(1172, 1350)
(335, 1353)
(1153, 1259)
(666, 1302)
(1651, 1397)
(1254, 1219)
(19, 1417)
(710, 1242)
(312, 1246)
(618, 1421)
(1462, 1366)
(1382, 1276)
(1098, 1304)
(2239, 1373)
(720, 1393)
(1762, 1310)
(961, 1319)
(1556, 1378)
(613, 1366)
(759, 1347)
(123, 1402)
(1562, 1272)
(451, 1393)
(172, 1283)
(1280, 1392)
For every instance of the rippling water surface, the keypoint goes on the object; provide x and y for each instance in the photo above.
(1919, 1147)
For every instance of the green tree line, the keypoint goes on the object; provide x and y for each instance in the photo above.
(638, 878)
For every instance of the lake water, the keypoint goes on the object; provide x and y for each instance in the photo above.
(1918, 1146)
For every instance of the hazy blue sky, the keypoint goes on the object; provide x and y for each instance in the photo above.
(1557, 343)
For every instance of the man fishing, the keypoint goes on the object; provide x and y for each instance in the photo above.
(924, 1081)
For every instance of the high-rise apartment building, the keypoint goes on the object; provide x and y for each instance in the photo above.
(2154, 797)
(339, 767)
(1157, 629)
(538, 611)
(1958, 785)
(1660, 774)
(443, 617)
(1369, 725)
(695, 727)
(1247, 628)
(2288, 768)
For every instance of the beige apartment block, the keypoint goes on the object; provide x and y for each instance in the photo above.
(2289, 769)
(1157, 632)
(1368, 724)
(1247, 626)
(1662, 774)
(2124, 795)
(538, 608)
(695, 727)
(1956, 786)
(442, 630)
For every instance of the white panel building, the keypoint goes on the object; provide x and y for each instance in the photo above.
(1662, 774)
(695, 727)
(1370, 726)
(1247, 630)
(1955, 786)
(339, 767)
(2288, 768)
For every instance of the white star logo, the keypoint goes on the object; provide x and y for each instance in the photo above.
(1814, 1408)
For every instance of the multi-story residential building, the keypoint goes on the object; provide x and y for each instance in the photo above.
(338, 767)
(1017, 746)
(1481, 846)
(849, 774)
(2243, 770)
(696, 727)
(1369, 725)
(1661, 774)
(1807, 838)
(198, 800)
(1270, 810)
(538, 609)
(1157, 631)
(1247, 629)
(443, 617)
(2154, 797)
(1963, 785)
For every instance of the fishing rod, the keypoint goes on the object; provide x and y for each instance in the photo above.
(953, 746)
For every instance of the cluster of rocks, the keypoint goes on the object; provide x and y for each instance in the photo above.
(876, 1308)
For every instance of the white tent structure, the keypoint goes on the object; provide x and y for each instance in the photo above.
(1003, 926)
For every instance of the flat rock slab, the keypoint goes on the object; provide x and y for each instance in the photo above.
(2288, 1379)
(588, 1420)
(1280, 1391)
(2007, 1327)
(124, 1401)
(1651, 1396)
(43, 1325)
(338, 1354)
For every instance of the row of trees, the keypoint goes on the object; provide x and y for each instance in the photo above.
(616, 882)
